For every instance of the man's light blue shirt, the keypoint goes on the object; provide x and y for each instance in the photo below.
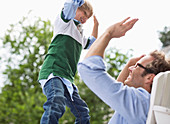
(69, 12)
(131, 104)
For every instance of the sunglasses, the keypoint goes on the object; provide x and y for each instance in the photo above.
(146, 69)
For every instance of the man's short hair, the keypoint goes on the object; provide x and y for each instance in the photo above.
(159, 64)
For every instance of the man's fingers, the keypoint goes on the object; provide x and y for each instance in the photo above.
(124, 20)
(130, 24)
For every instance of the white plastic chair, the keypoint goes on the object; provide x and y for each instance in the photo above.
(159, 111)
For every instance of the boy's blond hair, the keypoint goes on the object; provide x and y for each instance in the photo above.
(87, 6)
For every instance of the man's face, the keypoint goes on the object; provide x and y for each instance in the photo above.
(135, 78)
(82, 15)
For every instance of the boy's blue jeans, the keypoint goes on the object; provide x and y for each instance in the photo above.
(57, 98)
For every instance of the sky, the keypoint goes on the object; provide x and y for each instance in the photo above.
(153, 16)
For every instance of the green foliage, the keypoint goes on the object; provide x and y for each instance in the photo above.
(116, 61)
(21, 99)
(26, 43)
(165, 36)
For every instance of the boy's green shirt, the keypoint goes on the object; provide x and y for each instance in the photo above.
(62, 57)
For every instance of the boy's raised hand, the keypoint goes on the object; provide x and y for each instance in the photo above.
(95, 20)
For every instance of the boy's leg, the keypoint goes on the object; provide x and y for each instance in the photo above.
(55, 105)
(78, 107)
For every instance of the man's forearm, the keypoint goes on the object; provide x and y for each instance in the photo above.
(123, 74)
(99, 46)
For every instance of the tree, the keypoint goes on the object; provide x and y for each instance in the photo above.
(21, 99)
(165, 36)
(116, 60)
(26, 43)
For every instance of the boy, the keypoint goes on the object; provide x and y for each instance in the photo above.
(60, 64)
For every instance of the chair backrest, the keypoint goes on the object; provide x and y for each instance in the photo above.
(160, 97)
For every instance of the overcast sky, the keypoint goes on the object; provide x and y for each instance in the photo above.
(153, 17)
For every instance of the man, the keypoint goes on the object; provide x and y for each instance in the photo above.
(129, 96)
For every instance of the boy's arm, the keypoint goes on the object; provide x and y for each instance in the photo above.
(70, 8)
(94, 34)
(95, 27)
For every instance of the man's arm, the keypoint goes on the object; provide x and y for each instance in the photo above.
(93, 72)
(115, 31)
(125, 71)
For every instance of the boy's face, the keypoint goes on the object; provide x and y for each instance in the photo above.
(82, 15)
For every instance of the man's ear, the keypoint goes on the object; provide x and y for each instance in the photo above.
(149, 78)
(148, 82)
